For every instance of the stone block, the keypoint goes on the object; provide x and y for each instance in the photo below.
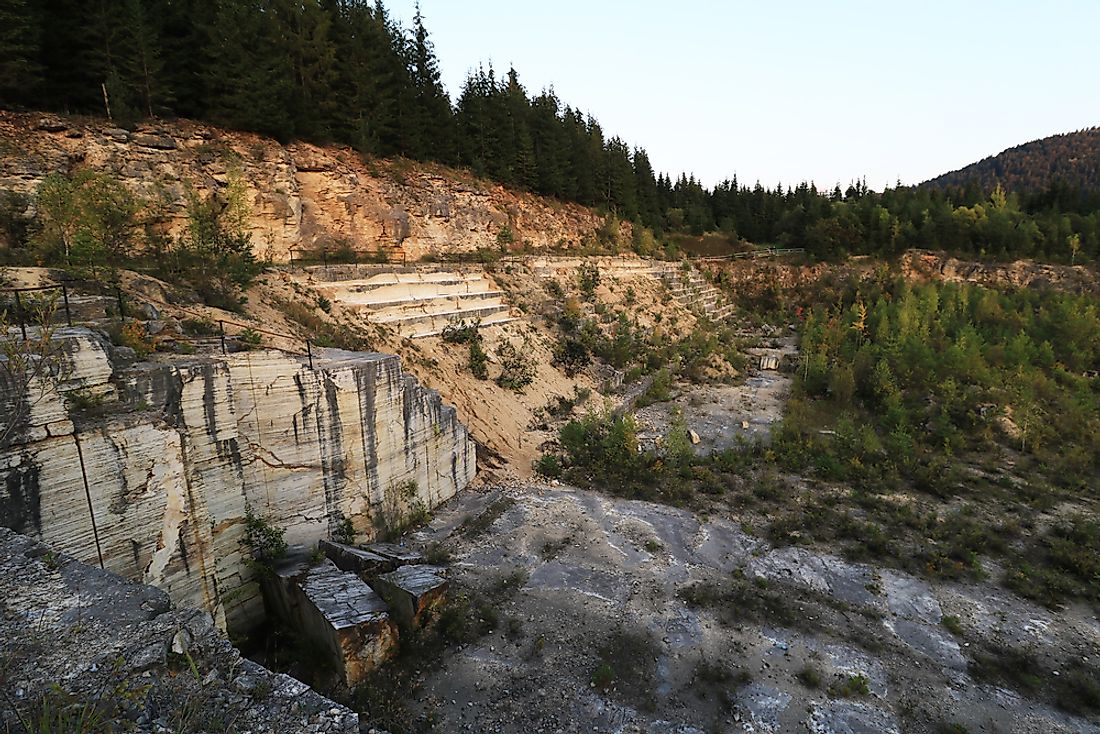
(337, 611)
(363, 563)
(415, 594)
(399, 554)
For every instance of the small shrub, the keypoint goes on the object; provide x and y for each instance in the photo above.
(199, 327)
(588, 279)
(659, 390)
(951, 624)
(851, 686)
(549, 466)
(479, 361)
(266, 541)
(810, 677)
(250, 338)
(345, 530)
(437, 554)
(132, 334)
(572, 355)
(461, 332)
(517, 367)
(603, 676)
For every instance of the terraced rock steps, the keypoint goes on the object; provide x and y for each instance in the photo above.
(419, 301)
(616, 267)
(691, 289)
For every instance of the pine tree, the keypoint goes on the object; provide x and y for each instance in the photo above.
(20, 45)
(248, 87)
(431, 120)
(520, 167)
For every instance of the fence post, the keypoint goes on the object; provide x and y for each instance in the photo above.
(221, 331)
(65, 298)
(22, 320)
(309, 352)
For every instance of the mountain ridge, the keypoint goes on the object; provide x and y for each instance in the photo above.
(1071, 159)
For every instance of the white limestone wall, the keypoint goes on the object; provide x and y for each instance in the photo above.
(171, 473)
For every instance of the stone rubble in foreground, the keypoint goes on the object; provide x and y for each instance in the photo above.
(122, 645)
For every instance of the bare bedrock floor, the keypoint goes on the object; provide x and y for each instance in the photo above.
(633, 617)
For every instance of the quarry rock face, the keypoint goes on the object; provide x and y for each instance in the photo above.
(120, 649)
(302, 197)
(155, 483)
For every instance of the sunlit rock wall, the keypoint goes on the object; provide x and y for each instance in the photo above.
(155, 478)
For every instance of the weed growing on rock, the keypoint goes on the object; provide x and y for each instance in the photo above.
(809, 676)
(952, 624)
(267, 541)
(850, 686)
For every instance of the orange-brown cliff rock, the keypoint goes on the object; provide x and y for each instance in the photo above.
(303, 197)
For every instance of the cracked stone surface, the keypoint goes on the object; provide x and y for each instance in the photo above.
(122, 647)
(597, 568)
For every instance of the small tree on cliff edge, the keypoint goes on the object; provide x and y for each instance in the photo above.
(86, 221)
(214, 255)
(30, 368)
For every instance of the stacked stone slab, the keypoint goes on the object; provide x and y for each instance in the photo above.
(158, 488)
(414, 591)
(120, 648)
(415, 594)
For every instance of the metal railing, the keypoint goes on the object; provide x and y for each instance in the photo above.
(752, 254)
(21, 309)
(21, 312)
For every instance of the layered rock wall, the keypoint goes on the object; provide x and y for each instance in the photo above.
(155, 481)
(302, 197)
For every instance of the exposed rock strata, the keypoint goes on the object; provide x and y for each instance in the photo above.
(302, 197)
(159, 486)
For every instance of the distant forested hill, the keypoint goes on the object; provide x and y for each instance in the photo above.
(1071, 159)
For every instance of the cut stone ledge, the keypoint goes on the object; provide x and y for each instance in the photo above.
(337, 611)
(415, 594)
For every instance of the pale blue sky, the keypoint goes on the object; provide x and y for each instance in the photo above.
(785, 91)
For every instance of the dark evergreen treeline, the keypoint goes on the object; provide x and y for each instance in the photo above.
(1056, 223)
(343, 71)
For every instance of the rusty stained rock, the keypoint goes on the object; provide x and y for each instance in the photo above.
(414, 593)
(337, 611)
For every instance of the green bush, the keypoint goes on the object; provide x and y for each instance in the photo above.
(479, 360)
(588, 279)
(572, 355)
(214, 255)
(266, 541)
(517, 366)
(86, 221)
